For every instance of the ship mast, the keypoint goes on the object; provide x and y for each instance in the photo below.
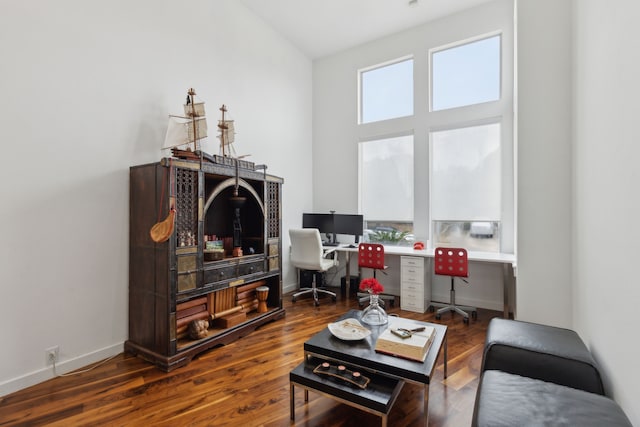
(223, 127)
(191, 94)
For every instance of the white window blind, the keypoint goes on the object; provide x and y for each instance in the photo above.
(386, 179)
(466, 173)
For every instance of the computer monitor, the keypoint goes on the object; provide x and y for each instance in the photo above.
(323, 222)
(349, 224)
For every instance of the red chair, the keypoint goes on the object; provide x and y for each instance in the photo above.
(452, 262)
(371, 255)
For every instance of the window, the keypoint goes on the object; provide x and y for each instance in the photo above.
(386, 92)
(466, 166)
(386, 189)
(466, 74)
(454, 183)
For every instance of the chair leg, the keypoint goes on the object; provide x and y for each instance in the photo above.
(452, 307)
(314, 290)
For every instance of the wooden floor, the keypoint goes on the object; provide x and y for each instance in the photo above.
(246, 383)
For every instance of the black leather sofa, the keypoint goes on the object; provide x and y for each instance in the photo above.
(538, 375)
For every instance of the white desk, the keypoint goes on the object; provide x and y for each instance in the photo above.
(508, 262)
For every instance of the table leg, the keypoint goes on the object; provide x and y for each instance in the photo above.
(425, 407)
(347, 272)
(445, 357)
(291, 401)
(508, 281)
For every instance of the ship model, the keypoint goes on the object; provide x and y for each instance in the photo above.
(184, 133)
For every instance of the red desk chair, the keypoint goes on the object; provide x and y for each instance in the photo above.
(452, 262)
(371, 255)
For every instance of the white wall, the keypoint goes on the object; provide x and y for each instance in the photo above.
(606, 202)
(87, 87)
(335, 136)
(544, 161)
(578, 175)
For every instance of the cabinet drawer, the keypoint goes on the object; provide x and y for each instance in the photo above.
(412, 261)
(250, 268)
(415, 288)
(410, 274)
(412, 296)
(219, 274)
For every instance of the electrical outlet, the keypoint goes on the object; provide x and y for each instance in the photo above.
(52, 354)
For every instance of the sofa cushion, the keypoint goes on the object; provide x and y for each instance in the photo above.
(543, 352)
(505, 399)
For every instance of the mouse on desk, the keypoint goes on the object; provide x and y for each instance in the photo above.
(351, 246)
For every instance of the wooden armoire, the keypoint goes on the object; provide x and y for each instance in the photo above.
(225, 253)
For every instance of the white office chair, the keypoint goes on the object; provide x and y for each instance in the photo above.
(307, 254)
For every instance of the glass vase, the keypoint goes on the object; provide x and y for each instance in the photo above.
(374, 314)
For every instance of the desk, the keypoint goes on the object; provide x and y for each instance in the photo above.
(508, 262)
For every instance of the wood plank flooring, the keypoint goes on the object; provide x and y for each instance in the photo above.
(246, 383)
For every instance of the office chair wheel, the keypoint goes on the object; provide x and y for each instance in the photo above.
(438, 316)
(316, 303)
(474, 315)
(431, 309)
(465, 320)
(293, 299)
(334, 299)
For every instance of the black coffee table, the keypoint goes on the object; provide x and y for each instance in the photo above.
(362, 354)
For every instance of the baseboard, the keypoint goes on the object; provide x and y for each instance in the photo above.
(63, 367)
(289, 288)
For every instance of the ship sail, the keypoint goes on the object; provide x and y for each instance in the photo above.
(185, 132)
(227, 134)
(180, 132)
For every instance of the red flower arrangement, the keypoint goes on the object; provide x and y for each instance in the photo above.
(371, 285)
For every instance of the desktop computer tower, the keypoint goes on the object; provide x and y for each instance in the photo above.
(306, 278)
(354, 282)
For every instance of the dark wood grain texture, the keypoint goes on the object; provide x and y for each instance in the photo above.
(247, 383)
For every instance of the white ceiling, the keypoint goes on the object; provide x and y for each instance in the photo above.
(324, 27)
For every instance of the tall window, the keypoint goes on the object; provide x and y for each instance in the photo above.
(465, 161)
(386, 189)
(386, 91)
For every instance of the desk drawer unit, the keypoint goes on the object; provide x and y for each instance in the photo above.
(412, 284)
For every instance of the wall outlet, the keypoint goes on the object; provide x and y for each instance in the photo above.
(52, 354)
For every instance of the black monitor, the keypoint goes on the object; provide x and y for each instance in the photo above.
(349, 224)
(323, 222)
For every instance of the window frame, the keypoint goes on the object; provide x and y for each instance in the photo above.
(459, 43)
(424, 120)
(390, 62)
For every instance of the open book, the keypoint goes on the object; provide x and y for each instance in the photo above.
(413, 348)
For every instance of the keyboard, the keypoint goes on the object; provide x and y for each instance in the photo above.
(330, 244)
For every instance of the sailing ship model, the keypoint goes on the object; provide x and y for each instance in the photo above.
(185, 133)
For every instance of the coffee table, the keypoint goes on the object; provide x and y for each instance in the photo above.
(362, 354)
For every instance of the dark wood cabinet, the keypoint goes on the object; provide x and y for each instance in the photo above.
(184, 278)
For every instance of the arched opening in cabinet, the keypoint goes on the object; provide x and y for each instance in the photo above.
(220, 213)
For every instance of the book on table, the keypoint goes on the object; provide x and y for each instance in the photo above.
(415, 347)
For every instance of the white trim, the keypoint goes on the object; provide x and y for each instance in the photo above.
(63, 367)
